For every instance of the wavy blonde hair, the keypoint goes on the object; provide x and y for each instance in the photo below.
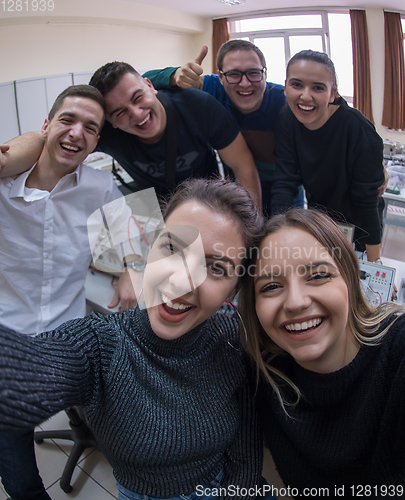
(363, 320)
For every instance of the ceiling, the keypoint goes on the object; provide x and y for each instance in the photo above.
(215, 8)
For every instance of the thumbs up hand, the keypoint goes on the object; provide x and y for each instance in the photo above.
(190, 75)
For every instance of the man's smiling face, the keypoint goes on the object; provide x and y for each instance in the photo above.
(132, 106)
(245, 96)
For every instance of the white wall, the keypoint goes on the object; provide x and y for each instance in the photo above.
(81, 36)
(375, 23)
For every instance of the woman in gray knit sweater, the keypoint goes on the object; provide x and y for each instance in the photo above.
(165, 388)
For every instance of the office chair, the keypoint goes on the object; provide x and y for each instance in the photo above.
(82, 437)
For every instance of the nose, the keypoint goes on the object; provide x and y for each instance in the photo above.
(244, 82)
(76, 131)
(181, 279)
(297, 298)
(306, 94)
(134, 111)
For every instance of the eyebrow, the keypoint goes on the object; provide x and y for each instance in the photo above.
(173, 237)
(72, 115)
(130, 100)
(309, 267)
(299, 80)
(222, 258)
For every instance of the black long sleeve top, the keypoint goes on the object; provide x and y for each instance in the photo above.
(348, 430)
(340, 165)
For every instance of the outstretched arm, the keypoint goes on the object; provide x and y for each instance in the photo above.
(238, 157)
(45, 374)
(21, 153)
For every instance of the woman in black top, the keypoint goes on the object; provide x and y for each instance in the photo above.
(331, 369)
(331, 148)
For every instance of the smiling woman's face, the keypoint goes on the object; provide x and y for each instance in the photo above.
(302, 301)
(192, 269)
(309, 93)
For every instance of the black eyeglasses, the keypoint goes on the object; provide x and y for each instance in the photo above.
(235, 76)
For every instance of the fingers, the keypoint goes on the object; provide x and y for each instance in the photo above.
(201, 56)
(189, 75)
(115, 301)
(3, 149)
(127, 304)
(383, 187)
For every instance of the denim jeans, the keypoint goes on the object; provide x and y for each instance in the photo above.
(18, 467)
(124, 494)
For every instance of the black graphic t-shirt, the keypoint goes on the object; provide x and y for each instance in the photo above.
(202, 125)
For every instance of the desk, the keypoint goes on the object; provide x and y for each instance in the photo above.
(399, 266)
(394, 200)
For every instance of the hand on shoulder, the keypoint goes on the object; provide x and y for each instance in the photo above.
(3, 149)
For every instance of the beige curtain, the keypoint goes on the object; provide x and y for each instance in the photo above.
(361, 64)
(394, 84)
(220, 35)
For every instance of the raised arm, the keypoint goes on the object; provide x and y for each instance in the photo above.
(21, 153)
(238, 157)
(190, 75)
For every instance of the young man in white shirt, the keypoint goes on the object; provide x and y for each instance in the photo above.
(45, 251)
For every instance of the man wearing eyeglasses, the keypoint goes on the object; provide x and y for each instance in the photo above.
(242, 88)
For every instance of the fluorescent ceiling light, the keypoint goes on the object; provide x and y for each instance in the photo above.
(232, 2)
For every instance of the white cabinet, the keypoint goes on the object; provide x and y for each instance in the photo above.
(8, 112)
(24, 104)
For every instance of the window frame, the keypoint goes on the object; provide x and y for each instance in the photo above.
(286, 32)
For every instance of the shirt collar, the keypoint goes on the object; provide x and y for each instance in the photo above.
(18, 189)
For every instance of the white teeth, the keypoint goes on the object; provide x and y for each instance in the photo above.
(303, 326)
(144, 121)
(306, 108)
(245, 93)
(174, 305)
(70, 148)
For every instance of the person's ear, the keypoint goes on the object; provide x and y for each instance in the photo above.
(44, 128)
(221, 79)
(333, 96)
(150, 85)
(285, 85)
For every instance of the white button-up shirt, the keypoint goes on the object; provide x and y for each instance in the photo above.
(44, 247)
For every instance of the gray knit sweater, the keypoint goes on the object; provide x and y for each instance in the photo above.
(168, 414)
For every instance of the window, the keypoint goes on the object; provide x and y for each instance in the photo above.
(280, 36)
(403, 29)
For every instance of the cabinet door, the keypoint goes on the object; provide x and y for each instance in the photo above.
(31, 103)
(8, 112)
(54, 86)
(81, 78)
